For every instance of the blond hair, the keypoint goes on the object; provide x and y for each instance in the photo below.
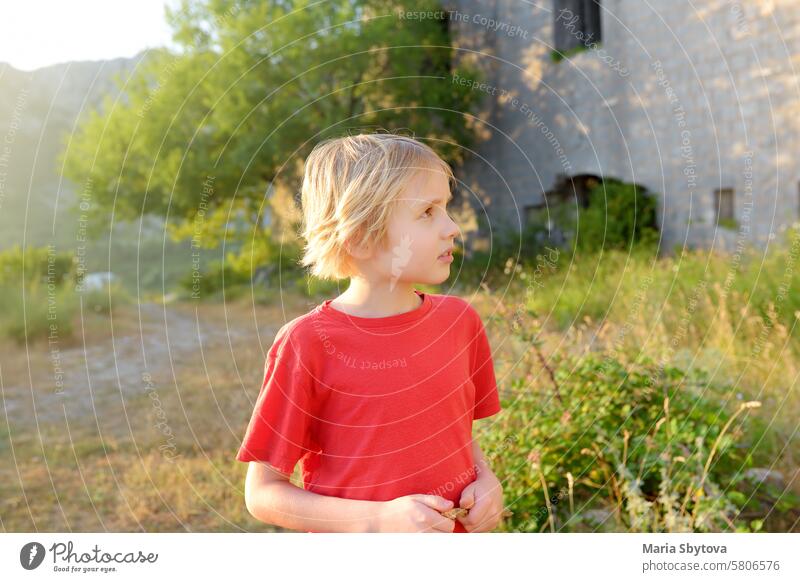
(350, 186)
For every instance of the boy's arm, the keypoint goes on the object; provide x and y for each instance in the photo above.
(272, 498)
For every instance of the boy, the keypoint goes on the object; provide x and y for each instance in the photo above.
(375, 391)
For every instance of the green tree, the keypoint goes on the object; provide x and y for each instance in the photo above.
(204, 131)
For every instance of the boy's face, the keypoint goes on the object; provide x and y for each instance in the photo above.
(418, 233)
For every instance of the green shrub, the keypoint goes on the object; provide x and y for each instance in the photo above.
(40, 300)
(619, 216)
(261, 262)
(209, 283)
(42, 264)
(37, 312)
(645, 448)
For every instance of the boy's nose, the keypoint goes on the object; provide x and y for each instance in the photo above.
(451, 229)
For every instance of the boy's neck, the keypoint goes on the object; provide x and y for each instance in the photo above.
(364, 298)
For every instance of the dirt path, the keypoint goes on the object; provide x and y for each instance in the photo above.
(79, 383)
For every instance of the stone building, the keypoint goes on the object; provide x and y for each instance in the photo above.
(698, 101)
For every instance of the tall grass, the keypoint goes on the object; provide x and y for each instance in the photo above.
(723, 323)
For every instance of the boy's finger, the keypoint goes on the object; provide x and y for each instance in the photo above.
(468, 499)
(436, 502)
(473, 518)
(439, 523)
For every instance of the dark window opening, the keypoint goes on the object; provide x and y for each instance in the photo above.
(573, 189)
(723, 198)
(576, 24)
(555, 213)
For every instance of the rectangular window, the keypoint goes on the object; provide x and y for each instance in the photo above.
(576, 24)
(723, 198)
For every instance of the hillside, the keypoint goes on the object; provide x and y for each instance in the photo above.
(38, 110)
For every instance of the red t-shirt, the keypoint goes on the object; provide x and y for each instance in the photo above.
(376, 408)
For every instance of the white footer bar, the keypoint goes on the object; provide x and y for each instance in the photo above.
(406, 557)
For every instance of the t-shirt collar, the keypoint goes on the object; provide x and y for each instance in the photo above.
(377, 322)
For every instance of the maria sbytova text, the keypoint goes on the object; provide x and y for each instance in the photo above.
(694, 550)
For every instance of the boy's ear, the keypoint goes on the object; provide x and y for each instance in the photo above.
(357, 251)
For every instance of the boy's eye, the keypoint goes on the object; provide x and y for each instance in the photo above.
(428, 212)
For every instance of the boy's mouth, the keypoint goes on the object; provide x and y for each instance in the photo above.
(447, 255)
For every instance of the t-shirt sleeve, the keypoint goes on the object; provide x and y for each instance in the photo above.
(279, 431)
(487, 400)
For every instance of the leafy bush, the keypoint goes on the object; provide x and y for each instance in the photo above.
(37, 311)
(265, 251)
(39, 300)
(210, 283)
(261, 263)
(42, 264)
(603, 445)
(619, 215)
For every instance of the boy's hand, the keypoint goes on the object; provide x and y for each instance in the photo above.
(484, 499)
(415, 513)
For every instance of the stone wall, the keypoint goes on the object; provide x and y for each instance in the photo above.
(681, 97)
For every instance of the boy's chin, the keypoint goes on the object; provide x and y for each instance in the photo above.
(429, 278)
(435, 280)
